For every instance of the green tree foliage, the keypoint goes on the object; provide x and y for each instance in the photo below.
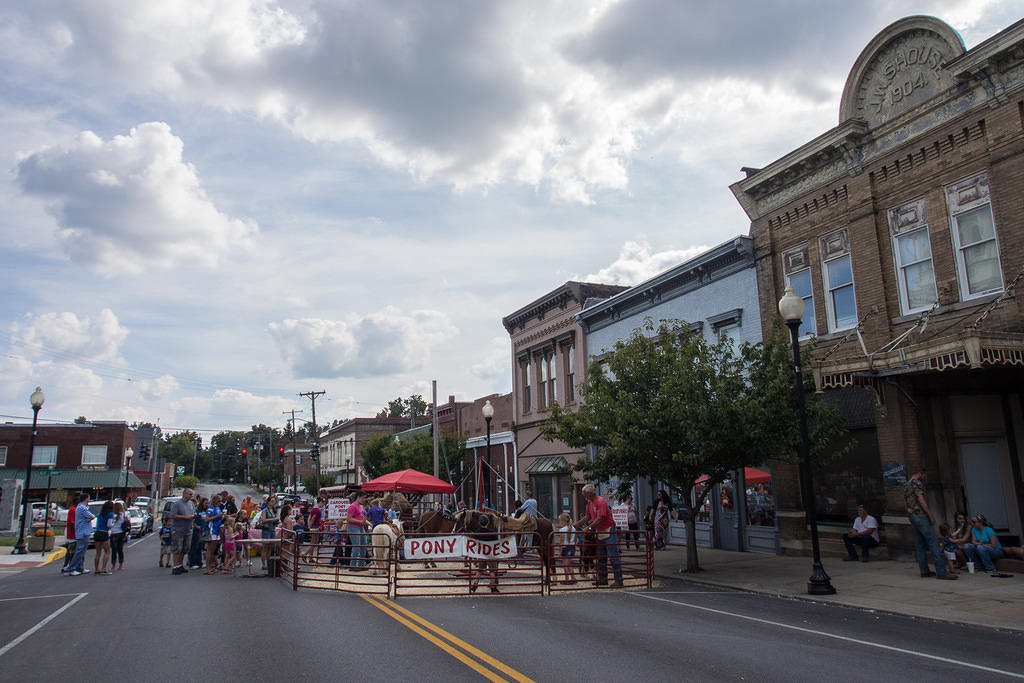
(414, 406)
(186, 481)
(384, 454)
(672, 407)
(179, 449)
(81, 420)
(262, 475)
(309, 481)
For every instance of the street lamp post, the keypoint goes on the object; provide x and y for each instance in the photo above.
(488, 411)
(36, 399)
(791, 307)
(127, 467)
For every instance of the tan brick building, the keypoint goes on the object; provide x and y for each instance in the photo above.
(549, 358)
(903, 230)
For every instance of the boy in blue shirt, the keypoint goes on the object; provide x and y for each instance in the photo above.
(165, 542)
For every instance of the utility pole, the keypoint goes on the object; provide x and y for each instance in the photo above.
(295, 487)
(315, 446)
(433, 429)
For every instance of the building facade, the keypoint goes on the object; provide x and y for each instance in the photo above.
(715, 295)
(902, 228)
(549, 355)
(92, 457)
(499, 465)
(340, 459)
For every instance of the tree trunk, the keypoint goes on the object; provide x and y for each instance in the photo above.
(692, 565)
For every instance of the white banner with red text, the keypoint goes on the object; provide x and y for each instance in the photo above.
(443, 547)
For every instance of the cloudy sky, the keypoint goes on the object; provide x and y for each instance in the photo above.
(212, 205)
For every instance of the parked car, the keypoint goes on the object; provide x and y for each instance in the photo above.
(137, 518)
(144, 502)
(168, 502)
(301, 488)
(57, 513)
(147, 518)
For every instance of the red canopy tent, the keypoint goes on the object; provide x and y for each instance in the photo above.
(751, 475)
(409, 481)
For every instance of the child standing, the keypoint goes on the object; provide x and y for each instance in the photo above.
(228, 536)
(566, 539)
(165, 542)
(949, 548)
(239, 547)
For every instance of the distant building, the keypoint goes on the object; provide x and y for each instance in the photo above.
(340, 457)
(549, 355)
(90, 457)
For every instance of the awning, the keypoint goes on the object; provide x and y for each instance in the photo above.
(751, 475)
(409, 480)
(548, 465)
(75, 479)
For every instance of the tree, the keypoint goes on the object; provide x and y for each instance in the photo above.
(672, 407)
(414, 406)
(387, 453)
(185, 481)
(309, 481)
(81, 420)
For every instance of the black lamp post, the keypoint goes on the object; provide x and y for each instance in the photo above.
(36, 399)
(791, 307)
(488, 411)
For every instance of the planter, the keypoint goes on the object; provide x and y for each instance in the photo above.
(36, 543)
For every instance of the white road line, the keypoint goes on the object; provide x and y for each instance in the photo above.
(866, 643)
(40, 597)
(38, 626)
(144, 538)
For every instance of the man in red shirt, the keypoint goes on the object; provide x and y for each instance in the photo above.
(69, 544)
(598, 520)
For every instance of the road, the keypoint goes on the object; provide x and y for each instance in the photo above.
(145, 624)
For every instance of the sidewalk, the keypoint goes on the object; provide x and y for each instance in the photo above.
(28, 561)
(879, 585)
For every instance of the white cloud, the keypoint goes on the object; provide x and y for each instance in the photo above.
(130, 202)
(494, 366)
(233, 407)
(66, 334)
(636, 263)
(384, 343)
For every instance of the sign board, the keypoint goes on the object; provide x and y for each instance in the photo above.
(620, 514)
(92, 468)
(894, 473)
(441, 547)
(180, 469)
(337, 508)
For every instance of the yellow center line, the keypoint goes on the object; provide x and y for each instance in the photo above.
(396, 612)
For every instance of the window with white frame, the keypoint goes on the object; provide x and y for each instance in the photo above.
(3, 455)
(912, 252)
(44, 456)
(94, 455)
(526, 385)
(570, 359)
(553, 375)
(974, 237)
(797, 268)
(837, 278)
(542, 383)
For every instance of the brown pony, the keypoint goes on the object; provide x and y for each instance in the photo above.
(433, 522)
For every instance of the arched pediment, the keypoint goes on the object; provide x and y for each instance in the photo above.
(901, 68)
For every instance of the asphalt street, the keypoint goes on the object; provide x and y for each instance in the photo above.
(145, 624)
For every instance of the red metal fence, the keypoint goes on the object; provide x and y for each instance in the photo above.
(375, 564)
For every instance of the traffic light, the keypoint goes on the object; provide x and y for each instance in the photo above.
(280, 453)
(245, 452)
(144, 451)
(314, 452)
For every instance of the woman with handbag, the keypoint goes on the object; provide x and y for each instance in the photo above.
(120, 527)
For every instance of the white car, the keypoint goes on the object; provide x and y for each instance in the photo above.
(57, 513)
(137, 518)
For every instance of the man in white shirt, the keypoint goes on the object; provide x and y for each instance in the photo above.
(864, 534)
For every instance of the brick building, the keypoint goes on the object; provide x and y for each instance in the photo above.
(903, 230)
(91, 456)
(549, 358)
(501, 465)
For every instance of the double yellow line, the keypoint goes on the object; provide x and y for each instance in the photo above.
(456, 647)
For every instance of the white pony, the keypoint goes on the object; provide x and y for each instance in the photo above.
(384, 538)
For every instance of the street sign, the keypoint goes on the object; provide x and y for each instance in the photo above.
(180, 469)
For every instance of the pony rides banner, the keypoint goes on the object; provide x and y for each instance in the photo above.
(445, 547)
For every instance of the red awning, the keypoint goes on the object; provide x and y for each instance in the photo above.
(409, 480)
(752, 475)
